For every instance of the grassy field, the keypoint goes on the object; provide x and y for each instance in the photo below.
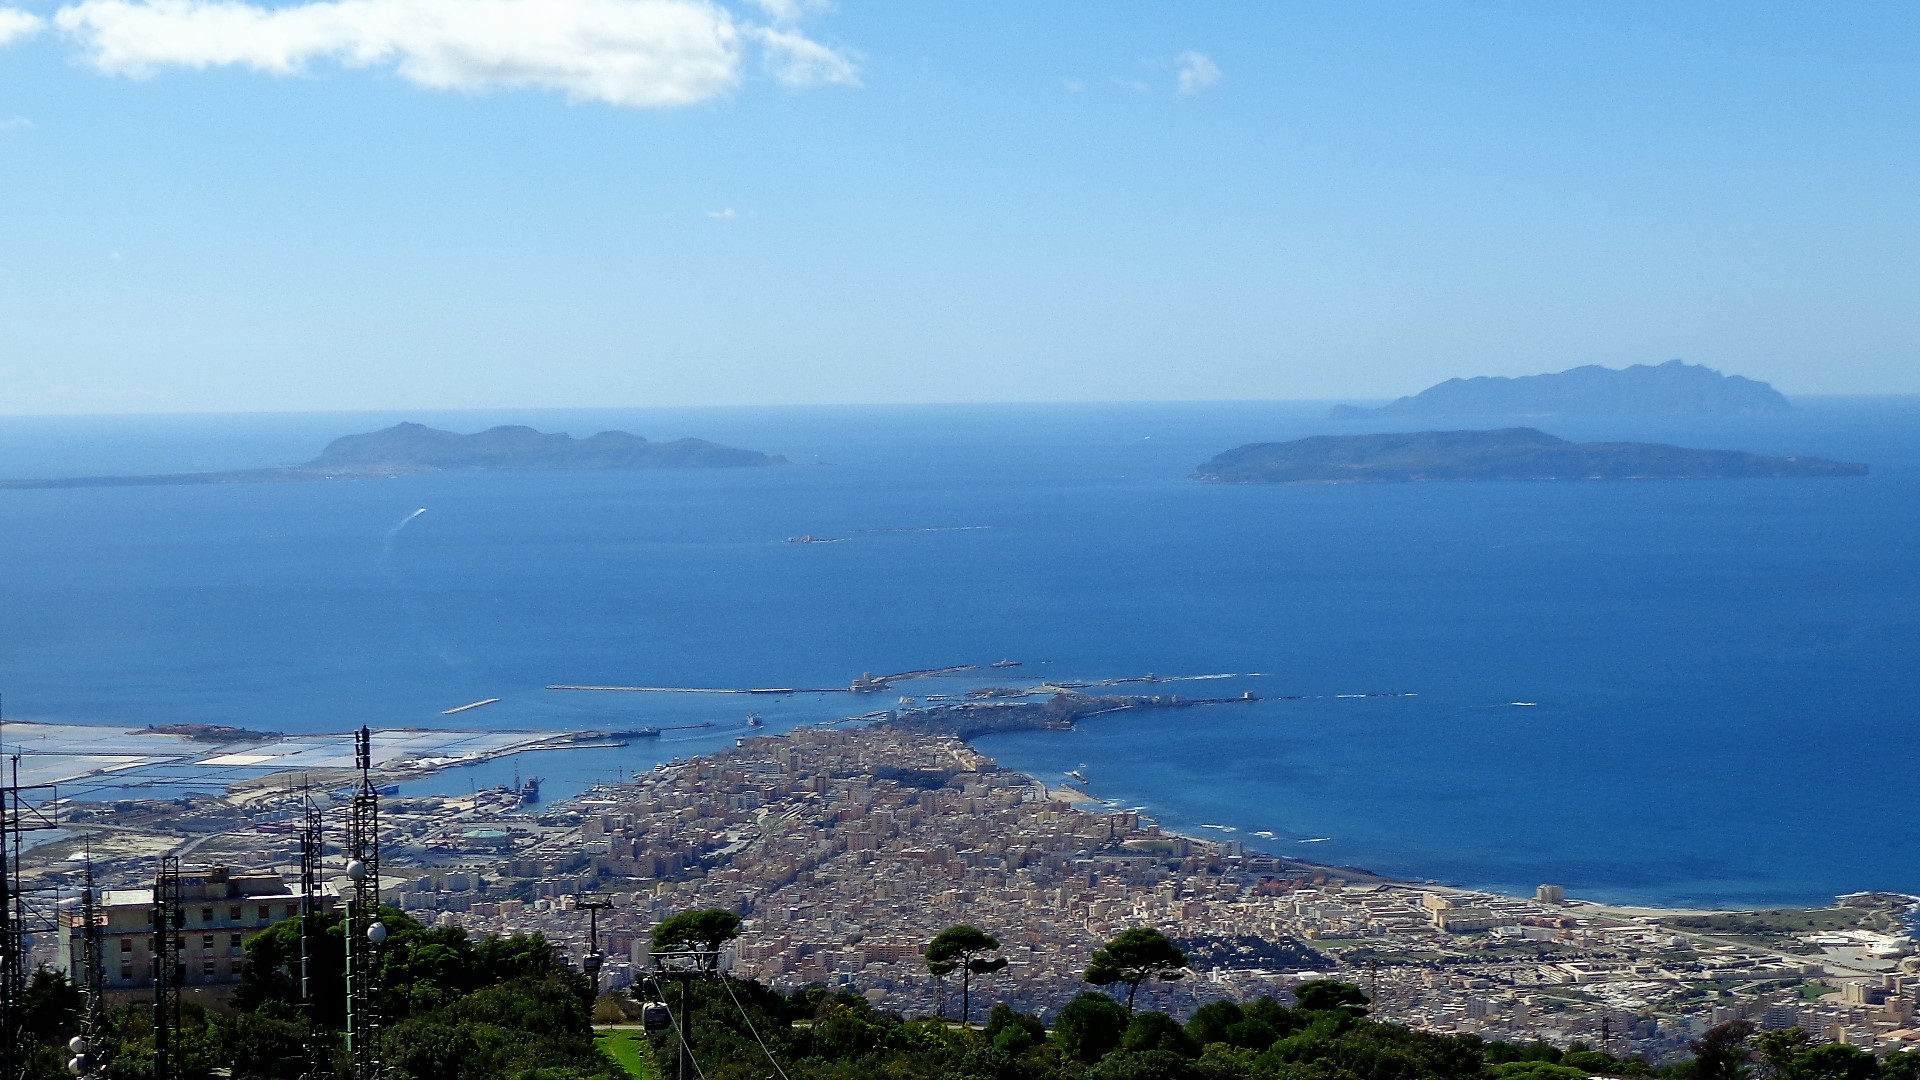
(629, 1047)
(1779, 922)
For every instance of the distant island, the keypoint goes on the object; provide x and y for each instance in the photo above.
(1506, 454)
(1674, 388)
(415, 448)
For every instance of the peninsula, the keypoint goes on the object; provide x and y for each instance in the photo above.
(1674, 388)
(1506, 454)
(415, 448)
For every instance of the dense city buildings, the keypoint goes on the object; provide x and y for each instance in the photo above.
(846, 850)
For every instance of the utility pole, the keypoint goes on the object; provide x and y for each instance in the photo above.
(169, 920)
(365, 931)
(593, 960)
(684, 966)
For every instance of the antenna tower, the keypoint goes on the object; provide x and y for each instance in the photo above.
(18, 918)
(169, 923)
(87, 956)
(312, 851)
(365, 931)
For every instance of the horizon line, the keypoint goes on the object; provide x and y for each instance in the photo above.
(105, 414)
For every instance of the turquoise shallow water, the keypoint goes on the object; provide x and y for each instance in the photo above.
(1724, 672)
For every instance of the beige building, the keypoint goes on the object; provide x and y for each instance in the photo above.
(222, 910)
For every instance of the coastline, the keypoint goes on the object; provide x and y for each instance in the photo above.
(325, 768)
(1084, 800)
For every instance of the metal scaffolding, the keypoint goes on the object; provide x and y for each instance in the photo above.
(22, 810)
(312, 853)
(87, 956)
(169, 923)
(365, 931)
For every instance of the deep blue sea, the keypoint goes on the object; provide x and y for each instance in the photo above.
(1726, 672)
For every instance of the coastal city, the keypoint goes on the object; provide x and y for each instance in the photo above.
(846, 850)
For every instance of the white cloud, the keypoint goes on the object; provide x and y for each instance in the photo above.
(723, 215)
(800, 61)
(643, 53)
(1072, 86)
(791, 11)
(17, 25)
(15, 123)
(1197, 71)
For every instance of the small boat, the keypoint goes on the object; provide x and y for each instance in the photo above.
(1076, 774)
(1523, 704)
(1317, 840)
(753, 720)
(1005, 663)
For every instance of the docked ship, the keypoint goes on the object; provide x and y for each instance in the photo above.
(530, 791)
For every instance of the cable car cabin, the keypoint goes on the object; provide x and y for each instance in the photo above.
(655, 1016)
(591, 962)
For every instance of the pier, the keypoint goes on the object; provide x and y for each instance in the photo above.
(471, 705)
(865, 684)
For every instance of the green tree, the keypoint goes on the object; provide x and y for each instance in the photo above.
(1535, 1070)
(1837, 1061)
(1209, 1023)
(1778, 1051)
(704, 929)
(50, 1016)
(1901, 1065)
(1158, 1031)
(259, 1047)
(1089, 1027)
(432, 1049)
(1133, 957)
(1016, 1032)
(1331, 995)
(964, 948)
(1144, 1065)
(1720, 1053)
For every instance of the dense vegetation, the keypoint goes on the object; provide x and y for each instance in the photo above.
(453, 1008)
(503, 1008)
(741, 1030)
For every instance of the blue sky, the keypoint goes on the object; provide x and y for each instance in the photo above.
(214, 206)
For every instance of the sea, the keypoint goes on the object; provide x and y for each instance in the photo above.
(1681, 693)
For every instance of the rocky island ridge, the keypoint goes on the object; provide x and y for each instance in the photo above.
(409, 448)
(1504, 454)
(1675, 388)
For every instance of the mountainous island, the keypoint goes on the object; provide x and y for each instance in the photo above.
(1674, 388)
(415, 448)
(1506, 454)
